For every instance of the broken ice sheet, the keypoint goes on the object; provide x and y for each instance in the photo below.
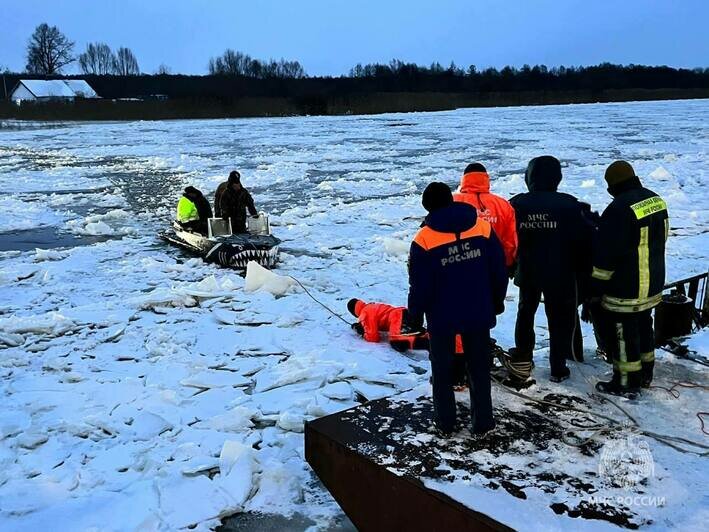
(215, 379)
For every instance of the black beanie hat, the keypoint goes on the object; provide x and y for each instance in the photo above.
(234, 177)
(619, 172)
(474, 167)
(436, 196)
(351, 306)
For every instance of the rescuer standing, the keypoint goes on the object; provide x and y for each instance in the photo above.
(232, 200)
(475, 190)
(458, 280)
(552, 234)
(629, 276)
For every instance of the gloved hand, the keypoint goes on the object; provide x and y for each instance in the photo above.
(357, 327)
(411, 325)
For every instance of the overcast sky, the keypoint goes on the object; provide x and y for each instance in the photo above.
(329, 36)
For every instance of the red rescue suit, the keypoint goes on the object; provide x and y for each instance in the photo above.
(377, 318)
(475, 191)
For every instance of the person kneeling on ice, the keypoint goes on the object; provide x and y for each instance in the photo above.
(193, 211)
(458, 281)
(376, 318)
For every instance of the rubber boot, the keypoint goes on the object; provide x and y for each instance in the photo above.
(519, 368)
(613, 387)
(517, 383)
(646, 374)
(561, 377)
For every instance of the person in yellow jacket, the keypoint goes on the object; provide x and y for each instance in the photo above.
(193, 211)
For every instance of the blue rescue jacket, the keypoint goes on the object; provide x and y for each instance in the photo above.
(457, 274)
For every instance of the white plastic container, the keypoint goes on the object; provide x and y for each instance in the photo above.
(259, 225)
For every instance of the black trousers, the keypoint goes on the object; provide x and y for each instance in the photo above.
(476, 346)
(630, 341)
(562, 316)
(596, 314)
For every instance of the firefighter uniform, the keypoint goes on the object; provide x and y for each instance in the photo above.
(629, 275)
(458, 280)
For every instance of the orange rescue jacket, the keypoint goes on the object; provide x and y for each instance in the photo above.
(377, 318)
(475, 190)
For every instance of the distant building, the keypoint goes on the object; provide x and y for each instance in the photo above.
(55, 89)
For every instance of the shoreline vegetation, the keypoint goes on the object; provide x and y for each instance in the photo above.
(239, 86)
(351, 104)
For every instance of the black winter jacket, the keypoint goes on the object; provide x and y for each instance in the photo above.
(457, 273)
(234, 205)
(552, 230)
(217, 198)
(629, 258)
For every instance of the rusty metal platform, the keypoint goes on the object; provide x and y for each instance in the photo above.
(380, 459)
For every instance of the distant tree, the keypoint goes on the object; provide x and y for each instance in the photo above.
(126, 64)
(436, 68)
(97, 59)
(232, 63)
(163, 70)
(291, 69)
(357, 71)
(48, 51)
(454, 70)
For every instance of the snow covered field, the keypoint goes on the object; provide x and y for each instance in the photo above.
(143, 389)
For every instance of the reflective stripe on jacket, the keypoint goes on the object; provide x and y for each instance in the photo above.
(475, 190)
(629, 259)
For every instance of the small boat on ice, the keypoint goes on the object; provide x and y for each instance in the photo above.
(222, 247)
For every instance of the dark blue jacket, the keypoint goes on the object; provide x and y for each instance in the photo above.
(457, 274)
(554, 237)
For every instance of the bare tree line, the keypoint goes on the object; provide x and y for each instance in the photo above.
(49, 51)
(232, 63)
(99, 59)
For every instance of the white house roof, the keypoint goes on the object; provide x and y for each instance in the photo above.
(81, 88)
(59, 88)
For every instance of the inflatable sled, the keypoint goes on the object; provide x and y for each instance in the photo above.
(222, 247)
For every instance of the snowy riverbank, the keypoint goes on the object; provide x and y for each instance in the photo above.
(144, 389)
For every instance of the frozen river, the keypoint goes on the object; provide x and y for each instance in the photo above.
(125, 365)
